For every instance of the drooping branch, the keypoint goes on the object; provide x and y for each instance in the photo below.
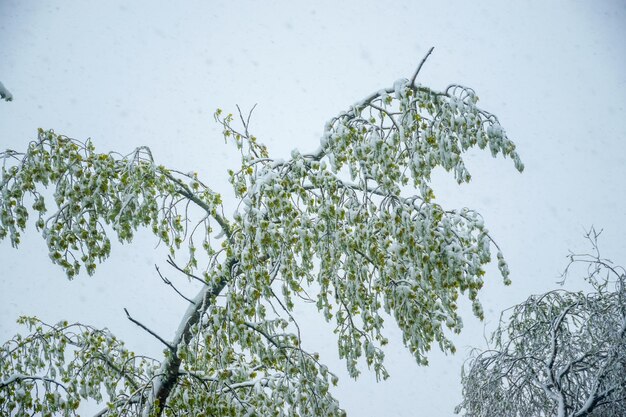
(166, 281)
(187, 192)
(16, 378)
(570, 345)
(98, 361)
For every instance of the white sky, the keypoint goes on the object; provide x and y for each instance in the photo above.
(152, 73)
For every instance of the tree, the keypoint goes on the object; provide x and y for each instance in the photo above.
(334, 226)
(557, 354)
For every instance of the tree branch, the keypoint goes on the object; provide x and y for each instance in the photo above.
(169, 371)
(412, 83)
(171, 262)
(21, 377)
(159, 338)
(186, 192)
(168, 282)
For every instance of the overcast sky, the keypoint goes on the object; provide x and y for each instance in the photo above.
(152, 73)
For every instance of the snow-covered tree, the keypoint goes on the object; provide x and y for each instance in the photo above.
(556, 354)
(351, 226)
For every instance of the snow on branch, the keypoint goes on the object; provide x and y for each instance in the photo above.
(560, 353)
(352, 227)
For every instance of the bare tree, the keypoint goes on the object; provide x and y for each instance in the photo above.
(556, 354)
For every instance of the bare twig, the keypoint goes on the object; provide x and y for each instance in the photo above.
(168, 282)
(170, 261)
(159, 338)
(245, 122)
(420, 66)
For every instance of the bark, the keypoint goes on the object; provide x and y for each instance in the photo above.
(170, 367)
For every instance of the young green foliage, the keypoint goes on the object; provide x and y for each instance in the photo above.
(92, 190)
(56, 367)
(352, 227)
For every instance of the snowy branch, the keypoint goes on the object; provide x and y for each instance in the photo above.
(570, 345)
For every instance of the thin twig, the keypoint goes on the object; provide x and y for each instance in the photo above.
(420, 66)
(168, 282)
(159, 338)
(170, 261)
